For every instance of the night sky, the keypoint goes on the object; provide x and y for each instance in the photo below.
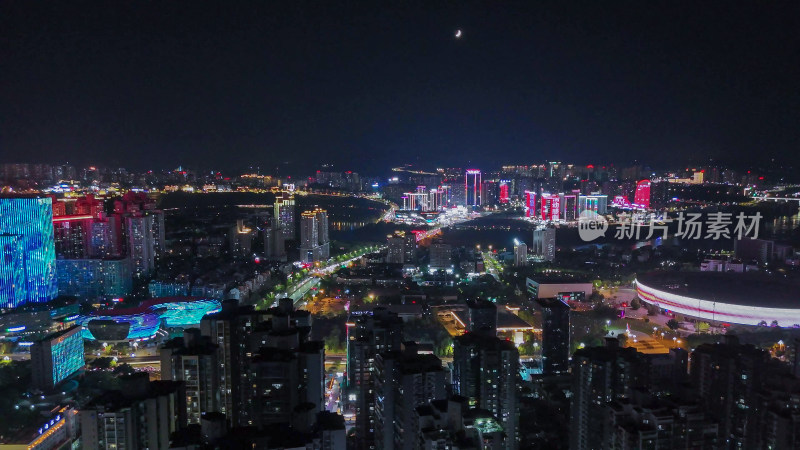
(372, 83)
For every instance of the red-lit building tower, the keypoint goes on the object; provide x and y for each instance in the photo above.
(530, 204)
(504, 191)
(551, 207)
(642, 196)
(74, 224)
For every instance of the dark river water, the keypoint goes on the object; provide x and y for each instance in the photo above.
(350, 219)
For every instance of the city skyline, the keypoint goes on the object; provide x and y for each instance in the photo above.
(400, 226)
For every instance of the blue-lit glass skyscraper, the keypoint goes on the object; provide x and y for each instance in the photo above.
(12, 270)
(27, 251)
(56, 357)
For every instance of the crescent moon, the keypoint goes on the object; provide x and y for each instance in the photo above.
(458, 34)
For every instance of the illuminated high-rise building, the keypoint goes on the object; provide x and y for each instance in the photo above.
(286, 381)
(441, 256)
(369, 335)
(417, 200)
(472, 188)
(83, 230)
(308, 237)
(193, 360)
(71, 237)
(485, 370)
(141, 414)
(569, 206)
(283, 215)
(95, 278)
(551, 207)
(530, 204)
(404, 381)
(13, 290)
(556, 170)
(435, 200)
(323, 233)
(26, 228)
(140, 244)
(482, 317)
(504, 191)
(595, 203)
(229, 329)
(407, 201)
(159, 237)
(240, 238)
(401, 247)
(600, 375)
(137, 204)
(447, 195)
(286, 373)
(269, 242)
(314, 243)
(90, 262)
(728, 376)
(642, 196)
(544, 243)
(104, 240)
(56, 357)
(330, 179)
(88, 206)
(520, 253)
(555, 336)
(490, 193)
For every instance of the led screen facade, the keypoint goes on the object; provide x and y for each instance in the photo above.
(30, 221)
(67, 354)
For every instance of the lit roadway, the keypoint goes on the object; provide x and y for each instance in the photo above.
(154, 361)
(333, 394)
(430, 233)
(333, 267)
(388, 216)
(446, 224)
(491, 265)
(312, 280)
(302, 289)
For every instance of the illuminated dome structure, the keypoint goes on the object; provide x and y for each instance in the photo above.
(733, 298)
(144, 321)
